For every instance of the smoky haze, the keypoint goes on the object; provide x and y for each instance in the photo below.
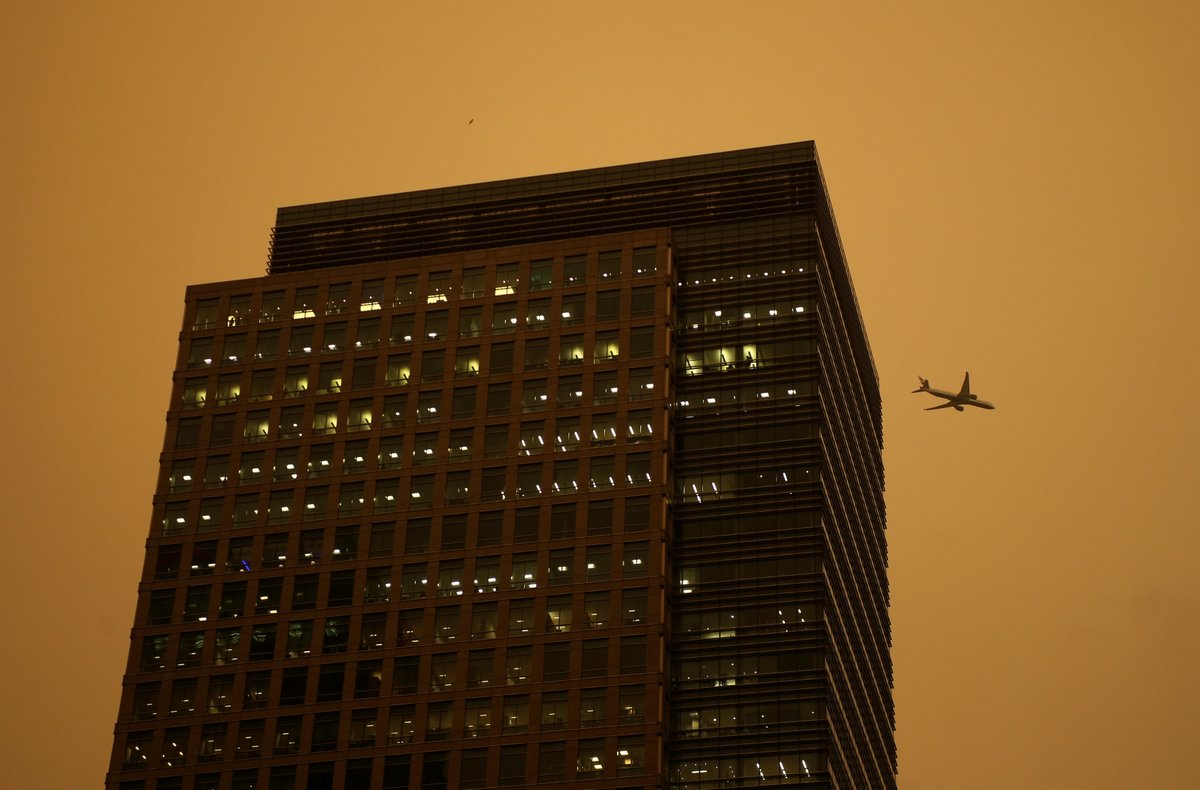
(1015, 189)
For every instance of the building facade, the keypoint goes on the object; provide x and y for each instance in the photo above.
(570, 480)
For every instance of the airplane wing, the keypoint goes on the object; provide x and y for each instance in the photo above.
(947, 405)
(966, 387)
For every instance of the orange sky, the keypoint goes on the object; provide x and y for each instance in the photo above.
(1016, 192)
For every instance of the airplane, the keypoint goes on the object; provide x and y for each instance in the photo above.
(954, 400)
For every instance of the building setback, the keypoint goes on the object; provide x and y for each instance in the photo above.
(566, 481)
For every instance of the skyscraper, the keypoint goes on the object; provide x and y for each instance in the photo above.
(558, 481)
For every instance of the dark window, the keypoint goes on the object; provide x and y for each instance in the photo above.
(600, 517)
(633, 654)
(512, 765)
(404, 675)
(293, 688)
(537, 353)
(304, 592)
(608, 306)
(341, 588)
(364, 374)
(162, 604)
(473, 769)
(454, 532)
(331, 682)
(491, 525)
(595, 658)
(562, 521)
(396, 769)
(435, 770)
(557, 661)
(641, 342)
(324, 737)
(233, 599)
(643, 301)
(501, 358)
(552, 760)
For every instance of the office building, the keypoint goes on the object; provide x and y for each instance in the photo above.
(562, 481)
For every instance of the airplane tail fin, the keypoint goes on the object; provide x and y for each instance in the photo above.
(924, 385)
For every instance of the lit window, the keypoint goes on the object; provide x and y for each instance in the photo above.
(645, 261)
(359, 418)
(609, 265)
(507, 279)
(570, 391)
(439, 287)
(200, 352)
(405, 290)
(258, 426)
(338, 300)
(575, 270)
(567, 435)
(272, 306)
(538, 314)
(301, 341)
(604, 387)
(604, 430)
(401, 331)
(466, 362)
(335, 337)
(305, 305)
(504, 318)
(182, 475)
(262, 385)
(325, 420)
(295, 382)
(458, 487)
(525, 572)
(572, 310)
(229, 389)
(399, 370)
(534, 396)
(436, 324)
(570, 350)
(195, 393)
(372, 296)
(532, 440)
(367, 333)
(561, 571)
(316, 500)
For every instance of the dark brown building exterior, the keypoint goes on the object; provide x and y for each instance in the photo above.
(571, 480)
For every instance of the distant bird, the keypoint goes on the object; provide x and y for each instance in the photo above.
(470, 122)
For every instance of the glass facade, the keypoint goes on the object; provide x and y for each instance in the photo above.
(603, 495)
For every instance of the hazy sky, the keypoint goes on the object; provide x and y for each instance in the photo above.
(1016, 192)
